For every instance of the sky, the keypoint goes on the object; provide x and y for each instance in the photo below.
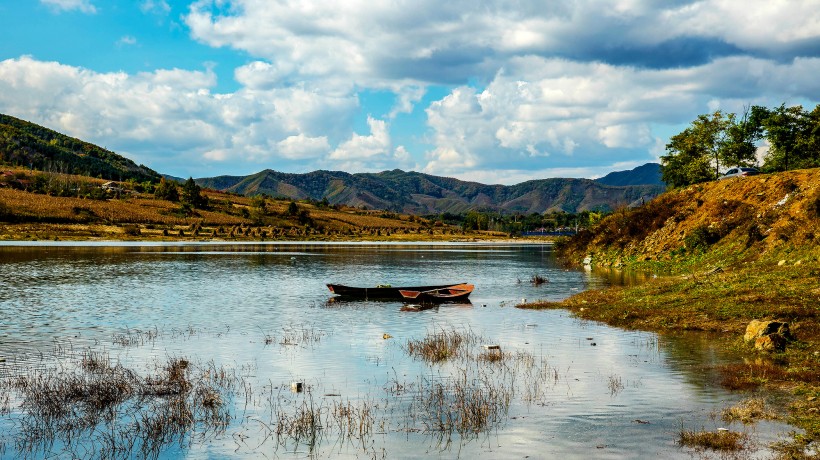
(494, 91)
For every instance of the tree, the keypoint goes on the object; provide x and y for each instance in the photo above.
(259, 209)
(696, 154)
(740, 142)
(783, 131)
(166, 191)
(687, 161)
(293, 209)
(192, 195)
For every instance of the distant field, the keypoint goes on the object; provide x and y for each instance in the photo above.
(137, 214)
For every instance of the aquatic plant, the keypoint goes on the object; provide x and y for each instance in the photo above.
(100, 405)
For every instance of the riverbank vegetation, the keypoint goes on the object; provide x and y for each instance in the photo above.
(721, 254)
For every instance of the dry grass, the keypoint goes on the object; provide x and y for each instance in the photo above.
(230, 217)
(102, 405)
(721, 440)
(441, 345)
(748, 411)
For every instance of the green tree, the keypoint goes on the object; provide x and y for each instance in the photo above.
(697, 153)
(794, 138)
(783, 131)
(741, 138)
(293, 209)
(166, 191)
(192, 195)
(259, 209)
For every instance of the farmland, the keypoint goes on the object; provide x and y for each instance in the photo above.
(73, 208)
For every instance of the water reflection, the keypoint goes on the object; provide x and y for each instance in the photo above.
(575, 388)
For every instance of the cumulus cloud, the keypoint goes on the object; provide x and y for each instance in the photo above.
(529, 87)
(172, 115)
(432, 42)
(551, 113)
(301, 147)
(360, 147)
(84, 6)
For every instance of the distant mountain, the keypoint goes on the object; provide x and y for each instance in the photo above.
(648, 174)
(27, 144)
(418, 193)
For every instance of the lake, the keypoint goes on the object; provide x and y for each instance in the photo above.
(261, 317)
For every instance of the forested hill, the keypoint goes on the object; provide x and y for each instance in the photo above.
(26, 144)
(418, 193)
(648, 174)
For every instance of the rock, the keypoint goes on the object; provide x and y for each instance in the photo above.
(773, 342)
(768, 335)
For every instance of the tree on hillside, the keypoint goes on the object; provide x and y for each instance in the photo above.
(166, 190)
(709, 143)
(794, 138)
(192, 195)
(740, 144)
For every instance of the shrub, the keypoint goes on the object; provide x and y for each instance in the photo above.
(701, 238)
(132, 230)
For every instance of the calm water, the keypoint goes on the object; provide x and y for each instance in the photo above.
(576, 389)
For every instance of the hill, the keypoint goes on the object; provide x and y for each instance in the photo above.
(648, 174)
(737, 219)
(418, 193)
(93, 209)
(30, 145)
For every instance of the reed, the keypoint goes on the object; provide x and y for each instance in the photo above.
(721, 440)
(97, 404)
(440, 346)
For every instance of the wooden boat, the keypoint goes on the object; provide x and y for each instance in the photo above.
(446, 294)
(381, 292)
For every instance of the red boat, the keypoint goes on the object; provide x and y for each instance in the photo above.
(447, 294)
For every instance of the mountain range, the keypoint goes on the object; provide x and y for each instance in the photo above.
(418, 193)
(28, 144)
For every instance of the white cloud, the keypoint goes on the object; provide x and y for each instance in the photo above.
(556, 87)
(171, 117)
(430, 42)
(360, 147)
(160, 7)
(84, 6)
(127, 40)
(551, 113)
(300, 147)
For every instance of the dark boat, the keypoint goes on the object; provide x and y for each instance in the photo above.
(381, 292)
(445, 294)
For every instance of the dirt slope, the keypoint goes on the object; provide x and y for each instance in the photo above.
(741, 219)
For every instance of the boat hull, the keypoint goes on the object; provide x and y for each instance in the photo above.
(378, 293)
(452, 293)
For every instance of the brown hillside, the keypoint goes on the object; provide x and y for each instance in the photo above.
(742, 219)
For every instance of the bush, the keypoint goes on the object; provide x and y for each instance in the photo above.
(701, 238)
(132, 230)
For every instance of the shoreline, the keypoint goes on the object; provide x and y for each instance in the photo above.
(721, 303)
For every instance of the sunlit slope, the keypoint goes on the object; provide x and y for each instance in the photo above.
(735, 219)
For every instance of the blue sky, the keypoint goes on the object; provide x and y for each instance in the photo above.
(494, 91)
